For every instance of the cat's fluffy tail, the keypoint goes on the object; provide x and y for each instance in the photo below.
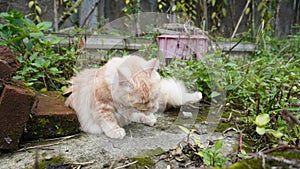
(176, 94)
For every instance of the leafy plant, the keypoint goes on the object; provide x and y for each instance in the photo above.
(192, 73)
(44, 65)
(266, 88)
(210, 155)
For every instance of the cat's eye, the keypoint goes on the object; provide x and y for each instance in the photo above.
(138, 104)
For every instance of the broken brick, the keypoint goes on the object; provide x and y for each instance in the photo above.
(8, 63)
(15, 106)
(51, 118)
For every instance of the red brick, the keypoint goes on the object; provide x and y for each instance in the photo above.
(8, 63)
(51, 118)
(15, 106)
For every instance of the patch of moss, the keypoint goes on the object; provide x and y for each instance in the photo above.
(51, 126)
(42, 122)
(257, 164)
(201, 117)
(288, 154)
(226, 114)
(54, 160)
(248, 144)
(247, 164)
(222, 126)
(144, 160)
(54, 94)
(155, 152)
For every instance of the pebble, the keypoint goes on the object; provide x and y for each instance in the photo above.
(187, 115)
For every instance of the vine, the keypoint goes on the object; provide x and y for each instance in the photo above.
(36, 9)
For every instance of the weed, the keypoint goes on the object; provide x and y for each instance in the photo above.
(45, 65)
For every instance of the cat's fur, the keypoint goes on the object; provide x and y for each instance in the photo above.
(124, 90)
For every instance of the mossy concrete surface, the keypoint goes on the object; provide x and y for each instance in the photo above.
(142, 143)
(50, 118)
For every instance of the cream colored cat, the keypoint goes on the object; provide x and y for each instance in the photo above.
(124, 90)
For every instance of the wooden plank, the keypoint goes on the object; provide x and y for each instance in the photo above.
(105, 42)
(241, 47)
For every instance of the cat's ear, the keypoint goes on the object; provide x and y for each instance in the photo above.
(151, 65)
(123, 80)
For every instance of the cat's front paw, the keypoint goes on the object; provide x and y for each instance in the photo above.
(117, 133)
(149, 120)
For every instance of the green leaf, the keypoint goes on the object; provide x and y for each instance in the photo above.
(54, 70)
(160, 6)
(6, 34)
(275, 133)
(215, 94)
(200, 153)
(260, 5)
(218, 144)
(44, 25)
(29, 45)
(247, 11)
(4, 15)
(39, 62)
(213, 15)
(36, 35)
(231, 87)
(207, 158)
(198, 143)
(224, 12)
(260, 130)
(187, 131)
(262, 119)
(213, 2)
(231, 64)
(173, 8)
(43, 89)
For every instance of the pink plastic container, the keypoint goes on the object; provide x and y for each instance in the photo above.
(182, 46)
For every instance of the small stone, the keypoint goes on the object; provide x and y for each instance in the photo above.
(187, 115)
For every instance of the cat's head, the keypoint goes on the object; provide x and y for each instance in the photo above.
(139, 86)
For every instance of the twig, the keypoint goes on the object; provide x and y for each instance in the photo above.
(192, 106)
(112, 164)
(228, 129)
(281, 147)
(241, 17)
(37, 147)
(126, 165)
(294, 163)
(90, 13)
(62, 138)
(233, 46)
(237, 111)
(229, 118)
(251, 63)
(82, 163)
(47, 145)
(241, 141)
(55, 22)
(190, 163)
